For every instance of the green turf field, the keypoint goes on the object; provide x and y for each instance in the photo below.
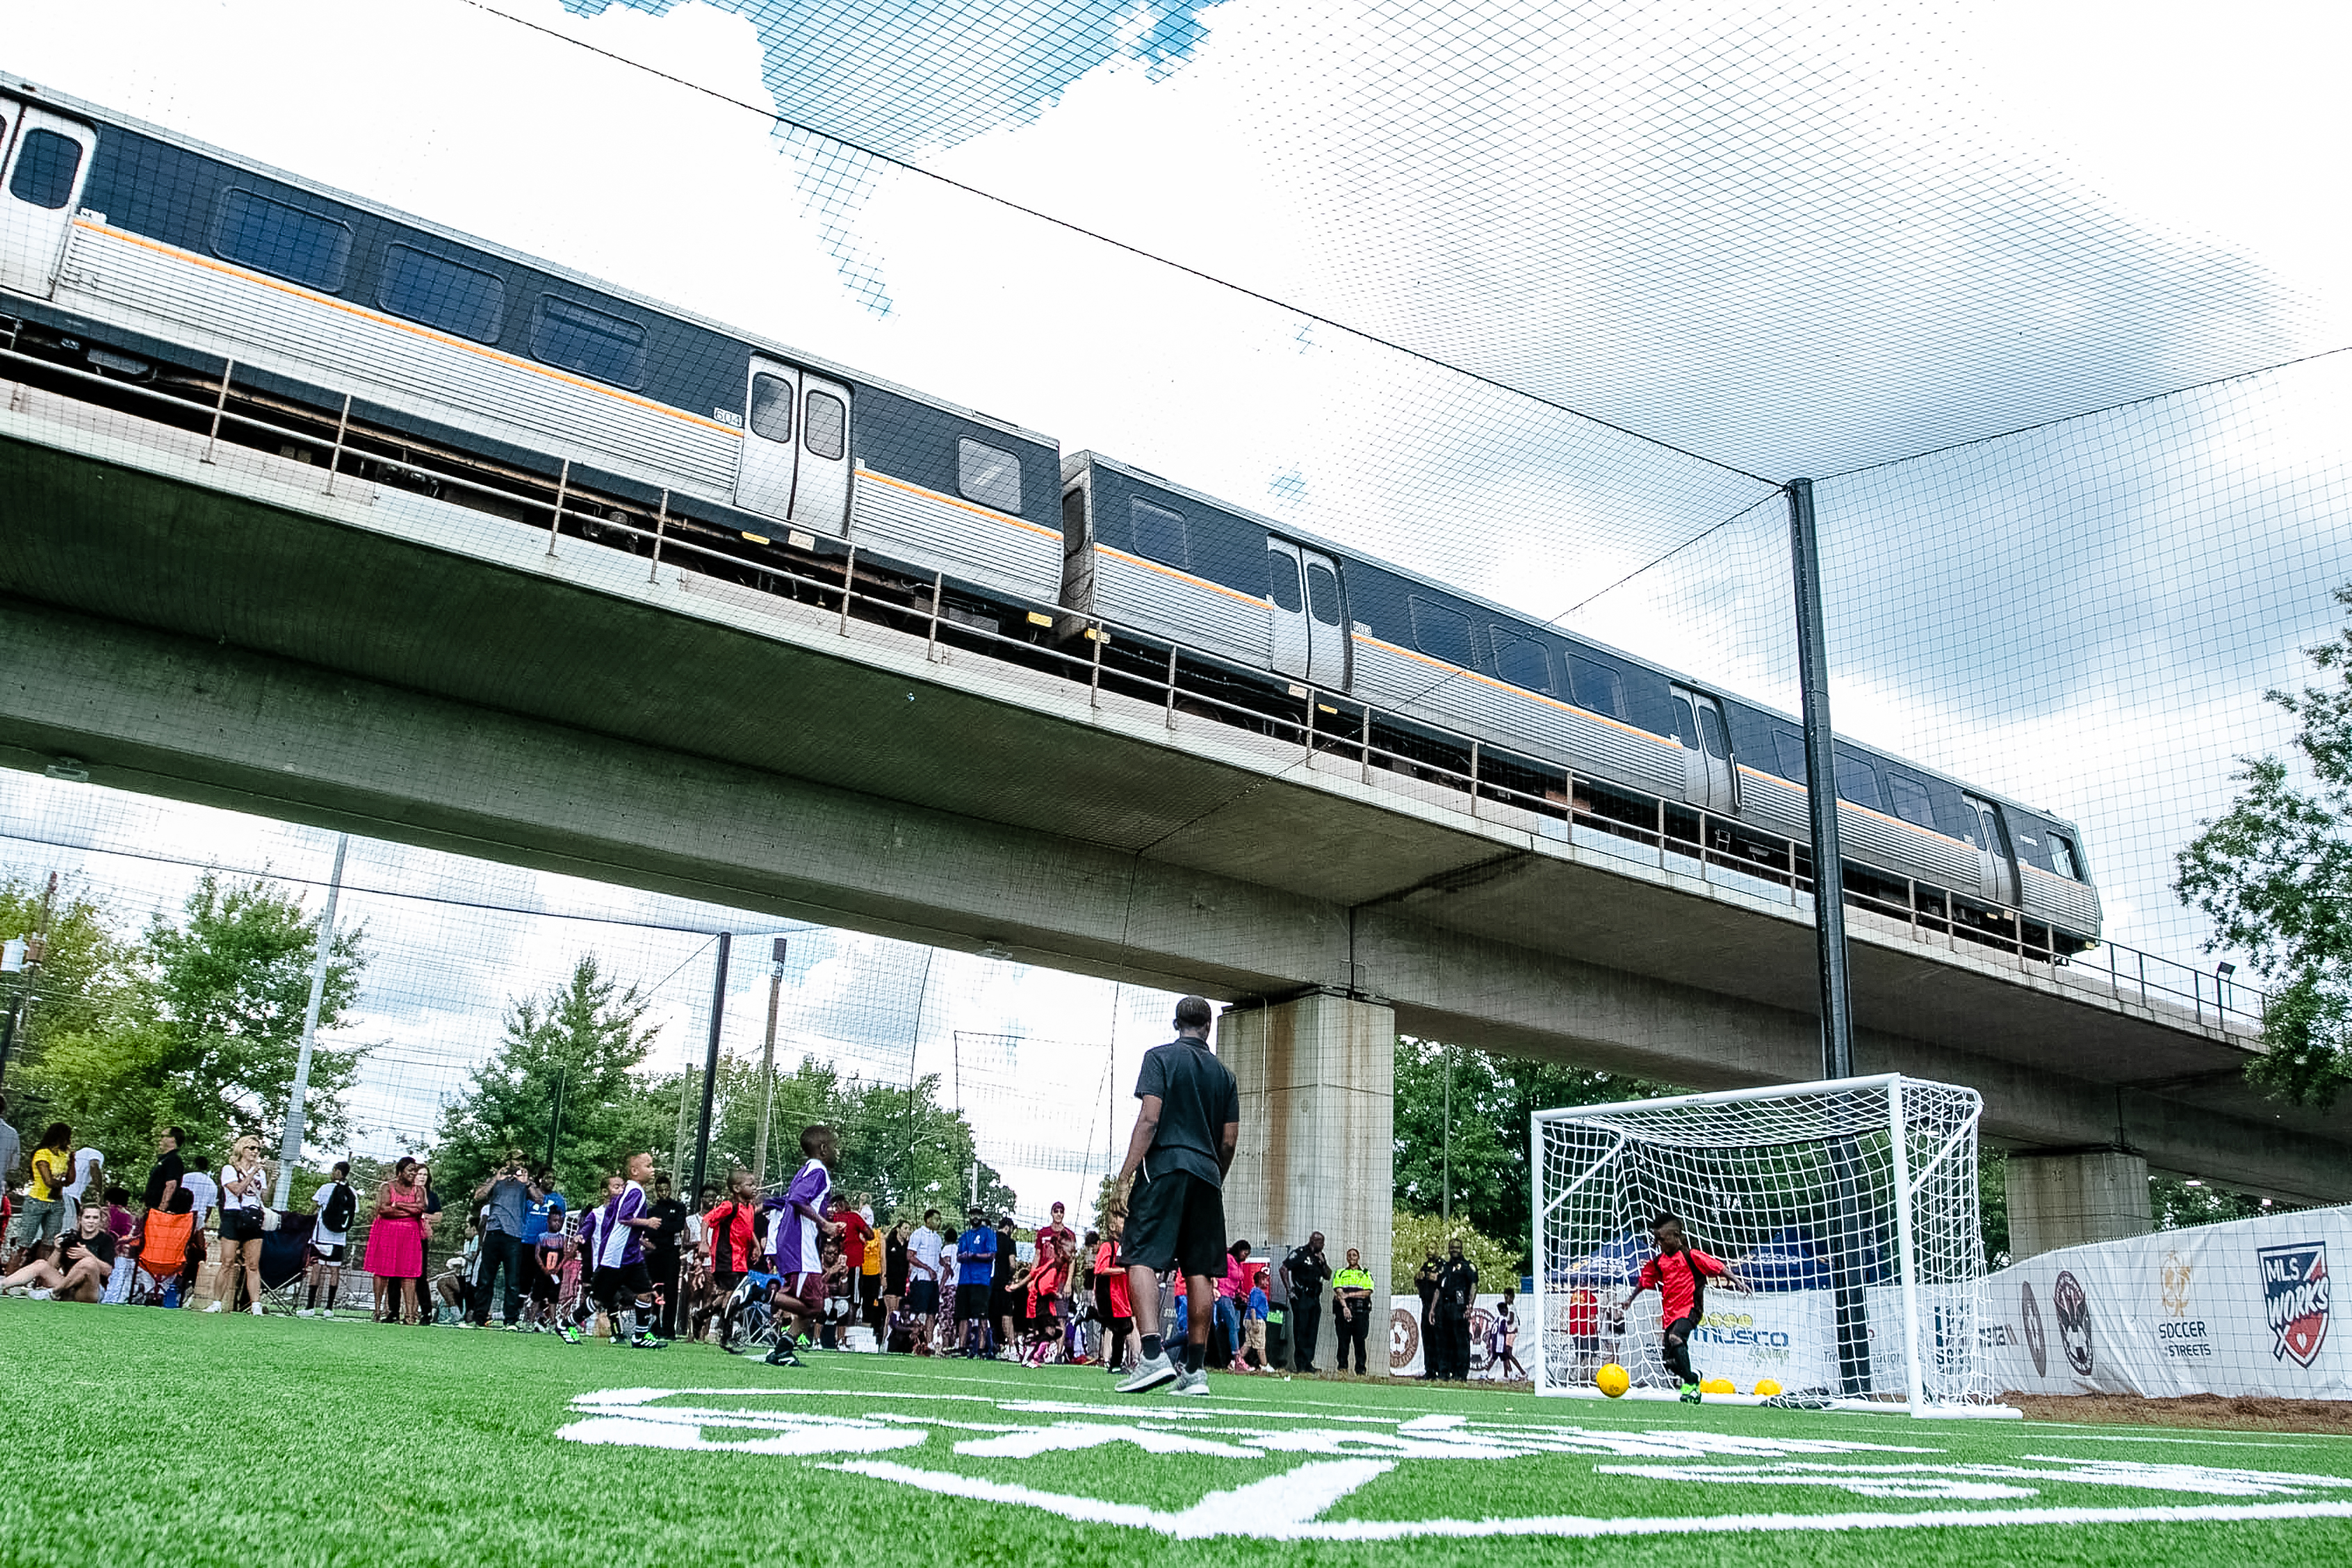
(135, 1436)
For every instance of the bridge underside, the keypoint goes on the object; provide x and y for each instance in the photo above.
(393, 665)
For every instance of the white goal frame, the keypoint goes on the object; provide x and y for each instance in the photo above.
(1847, 1170)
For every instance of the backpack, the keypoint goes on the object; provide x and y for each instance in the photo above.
(341, 1204)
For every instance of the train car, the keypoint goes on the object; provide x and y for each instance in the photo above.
(1147, 553)
(149, 255)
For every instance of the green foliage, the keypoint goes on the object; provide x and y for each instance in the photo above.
(1418, 1235)
(198, 1024)
(1494, 1099)
(2274, 875)
(2173, 1202)
(1992, 1205)
(588, 1035)
(81, 973)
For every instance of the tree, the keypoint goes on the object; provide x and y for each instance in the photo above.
(1416, 1236)
(1495, 1100)
(586, 1034)
(200, 1023)
(2274, 875)
(82, 971)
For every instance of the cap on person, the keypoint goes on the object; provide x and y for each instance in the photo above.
(1193, 1013)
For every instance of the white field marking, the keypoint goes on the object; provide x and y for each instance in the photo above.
(1071, 1436)
(818, 1435)
(1091, 1510)
(1990, 1482)
(2188, 1442)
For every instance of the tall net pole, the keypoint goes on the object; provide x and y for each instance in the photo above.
(289, 1148)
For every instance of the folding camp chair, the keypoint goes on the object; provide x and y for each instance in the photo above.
(285, 1263)
(161, 1260)
(747, 1321)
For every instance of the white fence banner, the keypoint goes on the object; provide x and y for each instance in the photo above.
(2238, 1309)
(1407, 1354)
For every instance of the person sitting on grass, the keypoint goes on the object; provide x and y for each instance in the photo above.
(78, 1272)
(1679, 1272)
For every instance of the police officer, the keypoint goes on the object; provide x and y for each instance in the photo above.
(1457, 1290)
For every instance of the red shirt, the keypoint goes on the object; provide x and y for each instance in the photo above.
(1676, 1275)
(1106, 1268)
(854, 1231)
(733, 1242)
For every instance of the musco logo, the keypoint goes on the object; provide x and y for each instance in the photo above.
(2071, 1305)
(2295, 1299)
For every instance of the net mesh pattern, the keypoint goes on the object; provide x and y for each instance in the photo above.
(1846, 1212)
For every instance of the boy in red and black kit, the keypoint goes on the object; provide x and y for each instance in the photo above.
(1680, 1272)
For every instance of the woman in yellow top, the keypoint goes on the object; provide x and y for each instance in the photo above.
(44, 1218)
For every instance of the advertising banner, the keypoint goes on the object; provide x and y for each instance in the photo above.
(1408, 1355)
(2238, 1309)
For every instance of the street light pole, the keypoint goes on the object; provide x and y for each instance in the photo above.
(768, 1060)
(289, 1147)
(710, 1062)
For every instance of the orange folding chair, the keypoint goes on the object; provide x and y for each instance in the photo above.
(163, 1258)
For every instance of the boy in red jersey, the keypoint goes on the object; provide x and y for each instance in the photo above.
(1680, 1272)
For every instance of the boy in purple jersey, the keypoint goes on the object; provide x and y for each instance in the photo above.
(800, 1228)
(623, 1284)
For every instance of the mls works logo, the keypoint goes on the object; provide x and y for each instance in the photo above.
(2295, 1299)
(2070, 1304)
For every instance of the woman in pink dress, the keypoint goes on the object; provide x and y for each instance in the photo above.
(396, 1247)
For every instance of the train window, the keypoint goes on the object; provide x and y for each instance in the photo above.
(46, 166)
(1789, 747)
(1282, 580)
(1159, 533)
(1858, 781)
(2063, 859)
(1596, 687)
(1521, 661)
(772, 409)
(285, 242)
(1910, 801)
(824, 428)
(1440, 631)
(1710, 729)
(420, 287)
(1323, 594)
(580, 337)
(988, 475)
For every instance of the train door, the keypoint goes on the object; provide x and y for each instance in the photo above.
(47, 164)
(1310, 616)
(795, 462)
(1707, 775)
(1996, 863)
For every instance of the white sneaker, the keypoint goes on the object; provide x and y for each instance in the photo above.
(1191, 1383)
(1148, 1374)
(41, 1293)
(302, 1313)
(326, 1312)
(217, 1306)
(256, 1310)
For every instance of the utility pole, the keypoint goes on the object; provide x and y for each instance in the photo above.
(1821, 787)
(26, 958)
(1445, 1140)
(289, 1147)
(768, 1060)
(711, 1061)
(555, 1121)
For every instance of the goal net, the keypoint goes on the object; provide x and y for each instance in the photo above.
(1846, 1210)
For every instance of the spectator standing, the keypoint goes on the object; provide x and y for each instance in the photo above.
(1045, 1303)
(504, 1202)
(895, 1270)
(43, 1216)
(80, 1272)
(976, 1267)
(1066, 1244)
(858, 1240)
(202, 1195)
(1112, 1303)
(10, 1150)
(243, 1182)
(1351, 1311)
(1305, 1273)
(1457, 1292)
(396, 1244)
(1233, 1304)
(166, 1178)
(88, 1181)
(665, 1256)
(546, 1205)
(549, 1254)
(1171, 1186)
(870, 1280)
(1004, 1305)
(1424, 1284)
(332, 1206)
(1253, 1314)
(925, 1257)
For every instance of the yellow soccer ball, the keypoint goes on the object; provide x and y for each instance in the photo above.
(1716, 1386)
(1765, 1388)
(1612, 1380)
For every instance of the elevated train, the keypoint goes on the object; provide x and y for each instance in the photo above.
(438, 359)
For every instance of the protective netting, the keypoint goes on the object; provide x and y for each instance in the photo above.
(1846, 1212)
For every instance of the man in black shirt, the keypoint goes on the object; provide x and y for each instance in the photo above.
(165, 1194)
(664, 1254)
(1457, 1292)
(1177, 1159)
(1304, 1274)
(1001, 1305)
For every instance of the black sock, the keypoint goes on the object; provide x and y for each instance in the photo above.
(313, 1299)
(1151, 1347)
(1193, 1355)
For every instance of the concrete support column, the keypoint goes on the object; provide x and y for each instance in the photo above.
(2065, 1198)
(1317, 1079)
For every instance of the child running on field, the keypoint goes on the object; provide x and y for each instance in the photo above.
(1680, 1272)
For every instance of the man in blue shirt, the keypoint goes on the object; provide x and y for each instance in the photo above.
(545, 1200)
(975, 1272)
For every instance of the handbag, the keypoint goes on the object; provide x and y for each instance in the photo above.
(270, 1219)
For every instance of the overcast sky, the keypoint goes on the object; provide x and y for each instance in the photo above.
(1783, 238)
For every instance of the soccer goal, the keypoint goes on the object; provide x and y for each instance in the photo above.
(1845, 1210)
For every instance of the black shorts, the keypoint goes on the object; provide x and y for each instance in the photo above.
(1004, 1303)
(971, 1303)
(1176, 1218)
(724, 1280)
(240, 1225)
(613, 1287)
(541, 1286)
(869, 1288)
(923, 1298)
